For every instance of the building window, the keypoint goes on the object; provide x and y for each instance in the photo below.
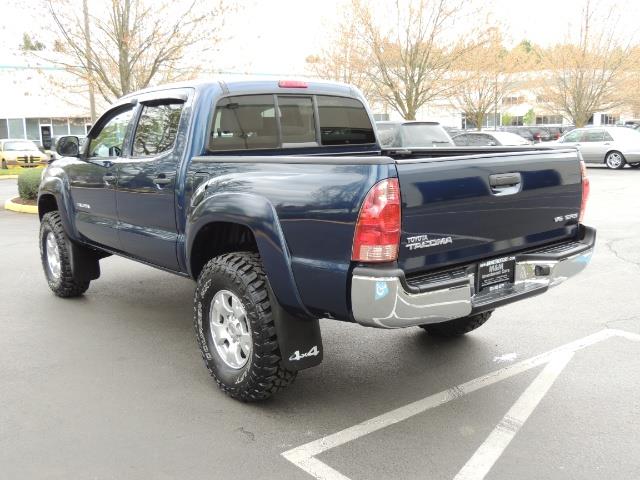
(487, 122)
(33, 129)
(548, 119)
(60, 126)
(76, 126)
(4, 129)
(381, 117)
(609, 119)
(16, 128)
(511, 101)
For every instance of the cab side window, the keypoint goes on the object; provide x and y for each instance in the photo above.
(157, 129)
(108, 142)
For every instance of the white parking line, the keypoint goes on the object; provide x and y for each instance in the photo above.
(498, 440)
(303, 456)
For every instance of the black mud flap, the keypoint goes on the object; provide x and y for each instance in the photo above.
(85, 263)
(299, 338)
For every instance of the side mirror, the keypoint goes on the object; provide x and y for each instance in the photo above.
(68, 146)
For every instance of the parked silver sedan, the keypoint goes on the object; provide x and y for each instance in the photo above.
(613, 146)
(489, 139)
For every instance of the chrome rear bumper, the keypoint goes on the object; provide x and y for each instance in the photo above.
(383, 298)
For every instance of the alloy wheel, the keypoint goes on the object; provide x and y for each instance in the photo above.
(53, 255)
(230, 329)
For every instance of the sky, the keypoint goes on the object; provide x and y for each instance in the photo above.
(275, 36)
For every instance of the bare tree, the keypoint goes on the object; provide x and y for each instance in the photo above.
(484, 77)
(411, 51)
(630, 88)
(130, 44)
(344, 59)
(585, 75)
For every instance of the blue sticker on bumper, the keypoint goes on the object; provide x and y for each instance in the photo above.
(382, 290)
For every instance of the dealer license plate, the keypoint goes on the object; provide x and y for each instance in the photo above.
(496, 274)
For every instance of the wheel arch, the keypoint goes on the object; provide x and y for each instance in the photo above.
(226, 222)
(52, 196)
(613, 150)
(46, 203)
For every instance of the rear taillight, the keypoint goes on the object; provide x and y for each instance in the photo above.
(585, 189)
(377, 232)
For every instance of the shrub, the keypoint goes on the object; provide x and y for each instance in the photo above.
(28, 184)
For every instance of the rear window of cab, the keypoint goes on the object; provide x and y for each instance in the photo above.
(252, 122)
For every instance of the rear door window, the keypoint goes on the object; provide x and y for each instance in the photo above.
(573, 136)
(296, 121)
(157, 129)
(343, 121)
(593, 136)
(244, 123)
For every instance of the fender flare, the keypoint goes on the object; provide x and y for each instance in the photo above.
(55, 186)
(298, 330)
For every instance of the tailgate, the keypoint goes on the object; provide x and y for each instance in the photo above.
(459, 210)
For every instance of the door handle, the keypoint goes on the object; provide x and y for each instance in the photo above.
(505, 183)
(502, 180)
(161, 180)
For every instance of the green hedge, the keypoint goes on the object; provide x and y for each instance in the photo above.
(28, 184)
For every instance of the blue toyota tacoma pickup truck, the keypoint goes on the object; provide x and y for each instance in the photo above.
(276, 197)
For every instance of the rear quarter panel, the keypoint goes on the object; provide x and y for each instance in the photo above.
(316, 205)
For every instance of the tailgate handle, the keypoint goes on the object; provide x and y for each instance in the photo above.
(502, 180)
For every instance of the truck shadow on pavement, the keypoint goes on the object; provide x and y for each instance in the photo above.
(362, 366)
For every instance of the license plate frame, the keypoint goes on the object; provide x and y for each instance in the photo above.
(496, 274)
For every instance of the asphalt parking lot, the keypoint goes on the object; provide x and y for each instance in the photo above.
(112, 386)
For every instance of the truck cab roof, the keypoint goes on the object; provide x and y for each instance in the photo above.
(230, 85)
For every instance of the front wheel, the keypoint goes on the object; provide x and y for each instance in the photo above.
(4, 164)
(615, 160)
(235, 329)
(458, 326)
(55, 255)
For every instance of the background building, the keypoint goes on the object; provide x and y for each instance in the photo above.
(39, 100)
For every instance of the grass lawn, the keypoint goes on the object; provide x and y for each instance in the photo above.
(17, 170)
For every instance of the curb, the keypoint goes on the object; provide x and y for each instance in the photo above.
(8, 177)
(17, 207)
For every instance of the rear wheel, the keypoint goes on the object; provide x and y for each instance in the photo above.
(55, 255)
(235, 329)
(458, 326)
(615, 160)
